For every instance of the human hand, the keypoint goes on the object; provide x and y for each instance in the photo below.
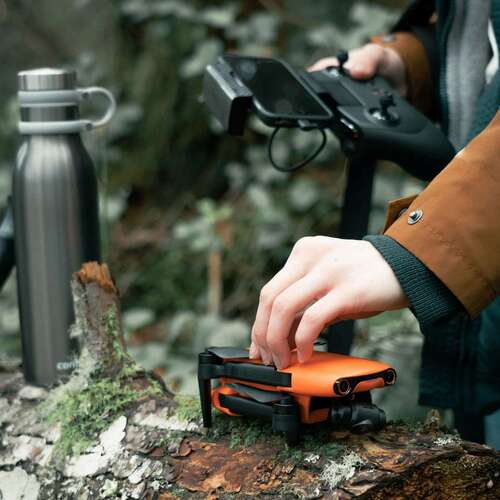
(370, 60)
(323, 281)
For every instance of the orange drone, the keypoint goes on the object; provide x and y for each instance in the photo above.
(328, 387)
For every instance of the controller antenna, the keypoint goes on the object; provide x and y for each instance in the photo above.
(342, 57)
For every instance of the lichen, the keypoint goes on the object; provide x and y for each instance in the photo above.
(447, 440)
(335, 472)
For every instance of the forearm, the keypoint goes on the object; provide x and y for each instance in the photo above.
(458, 234)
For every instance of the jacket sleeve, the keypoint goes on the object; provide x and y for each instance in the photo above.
(453, 226)
(414, 39)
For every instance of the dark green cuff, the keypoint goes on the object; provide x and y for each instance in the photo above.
(429, 298)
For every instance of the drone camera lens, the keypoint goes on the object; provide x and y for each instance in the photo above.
(342, 387)
(390, 377)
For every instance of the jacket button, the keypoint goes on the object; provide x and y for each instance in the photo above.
(415, 216)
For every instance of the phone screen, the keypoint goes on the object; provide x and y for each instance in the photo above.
(277, 89)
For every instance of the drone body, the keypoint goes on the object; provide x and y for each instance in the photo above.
(328, 387)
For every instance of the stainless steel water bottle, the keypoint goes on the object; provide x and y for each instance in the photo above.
(56, 221)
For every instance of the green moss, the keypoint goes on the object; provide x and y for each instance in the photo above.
(315, 440)
(86, 413)
(245, 432)
(188, 407)
(242, 431)
(178, 492)
(113, 331)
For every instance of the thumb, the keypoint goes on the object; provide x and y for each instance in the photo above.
(364, 62)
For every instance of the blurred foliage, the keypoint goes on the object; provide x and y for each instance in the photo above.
(183, 189)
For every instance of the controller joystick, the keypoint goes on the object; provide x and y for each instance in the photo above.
(342, 58)
(383, 113)
(386, 101)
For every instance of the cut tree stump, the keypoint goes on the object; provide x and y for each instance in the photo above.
(141, 442)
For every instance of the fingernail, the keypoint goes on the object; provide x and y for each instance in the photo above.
(300, 357)
(266, 357)
(277, 361)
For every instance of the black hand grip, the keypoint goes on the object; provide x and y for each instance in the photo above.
(7, 257)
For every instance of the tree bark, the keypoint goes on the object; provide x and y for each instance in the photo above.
(155, 447)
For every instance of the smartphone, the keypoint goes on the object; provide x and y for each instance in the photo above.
(279, 94)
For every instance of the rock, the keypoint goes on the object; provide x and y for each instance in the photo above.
(162, 419)
(90, 464)
(31, 392)
(143, 439)
(17, 484)
(125, 465)
(21, 448)
(110, 440)
(4, 408)
(51, 433)
(26, 418)
(101, 456)
(134, 492)
(137, 439)
(9, 411)
(109, 489)
(142, 472)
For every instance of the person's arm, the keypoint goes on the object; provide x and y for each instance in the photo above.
(458, 233)
(452, 228)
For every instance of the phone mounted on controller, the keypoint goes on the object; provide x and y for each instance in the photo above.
(368, 117)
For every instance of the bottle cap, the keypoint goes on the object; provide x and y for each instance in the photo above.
(47, 79)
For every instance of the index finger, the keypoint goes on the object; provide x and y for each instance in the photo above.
(323, 63)
(288, 275)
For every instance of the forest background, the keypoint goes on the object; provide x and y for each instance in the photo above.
(194, 222)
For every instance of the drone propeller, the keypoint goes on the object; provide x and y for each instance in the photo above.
(228, 352)
(238, 352)
(258, 394)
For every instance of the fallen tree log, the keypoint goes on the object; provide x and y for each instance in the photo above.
(114, 430)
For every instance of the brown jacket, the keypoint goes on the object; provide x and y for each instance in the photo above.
(458, 234)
